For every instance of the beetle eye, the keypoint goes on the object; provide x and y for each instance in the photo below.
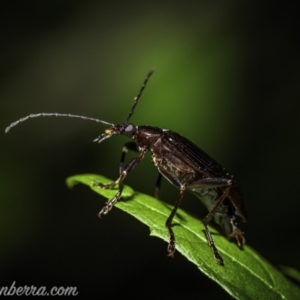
(129, 129)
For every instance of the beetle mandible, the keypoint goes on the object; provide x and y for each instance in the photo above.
(183, 164)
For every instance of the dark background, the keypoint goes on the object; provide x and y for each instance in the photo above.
(227, 78)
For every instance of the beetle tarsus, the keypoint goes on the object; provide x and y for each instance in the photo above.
(171, 249)
(109, 205)
(105, 210)
(217, 257)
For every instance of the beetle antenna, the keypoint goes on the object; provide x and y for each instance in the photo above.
(137, 97)
(54, 115)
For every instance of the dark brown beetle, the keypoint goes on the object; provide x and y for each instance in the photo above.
(184, 165)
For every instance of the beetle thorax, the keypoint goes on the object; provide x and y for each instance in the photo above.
(146, 136)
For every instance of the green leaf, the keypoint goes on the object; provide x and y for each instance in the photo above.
(246, 275)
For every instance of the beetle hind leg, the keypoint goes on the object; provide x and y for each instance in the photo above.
(211, 244)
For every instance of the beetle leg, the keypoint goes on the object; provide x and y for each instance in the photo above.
(109, 205)
(237, 233)
(175, 181)
(215, 183)
(128, 146)
(157, 186)
(212, 183)
(171, 246)
(211, 244)
(209, 216)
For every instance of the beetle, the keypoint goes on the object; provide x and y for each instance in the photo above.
(183, 164)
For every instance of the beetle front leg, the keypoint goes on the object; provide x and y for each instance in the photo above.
(131, 165)
(128, 146)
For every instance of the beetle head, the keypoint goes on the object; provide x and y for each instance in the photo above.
(127, 129)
